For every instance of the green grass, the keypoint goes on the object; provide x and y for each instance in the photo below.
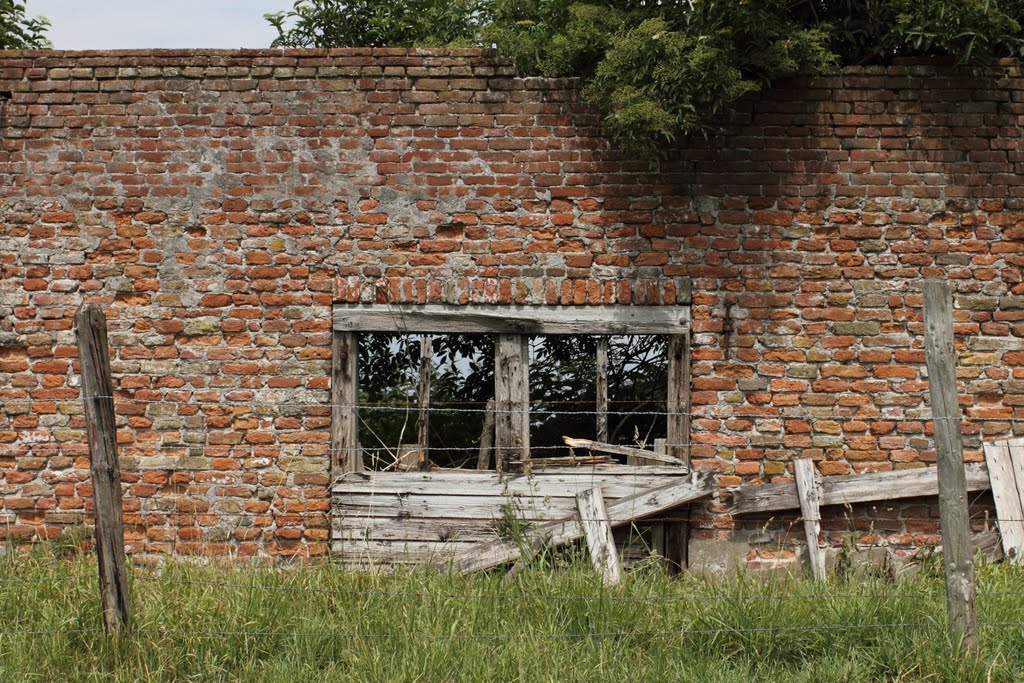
(318, 622)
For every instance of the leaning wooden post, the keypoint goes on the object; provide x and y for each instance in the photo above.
(957, 553)
(594, 519)
(97, 395)
(807, 491)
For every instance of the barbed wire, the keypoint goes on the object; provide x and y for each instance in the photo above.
(785, 412)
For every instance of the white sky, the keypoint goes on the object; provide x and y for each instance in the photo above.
(117, 24)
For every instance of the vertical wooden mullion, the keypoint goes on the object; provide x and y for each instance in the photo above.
(345, 454)
(423, 423)
(511, 400)
(601, 388)
(677, 533)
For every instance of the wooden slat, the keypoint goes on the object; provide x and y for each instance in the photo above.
(490, 319)
(423, 395)
(622, 511)
(511, 401)
(355, 528)
(568, 485)
(621, 450)
(434, 506)
(345, 455)
(598, 533)
(852, 488)
(1007, 497)
(483, 459)
(601, 388)
(369, 553)
(807, 491)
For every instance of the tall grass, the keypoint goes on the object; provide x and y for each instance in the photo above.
(321, 622)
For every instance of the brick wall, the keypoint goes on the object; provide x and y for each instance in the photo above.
(218, 203)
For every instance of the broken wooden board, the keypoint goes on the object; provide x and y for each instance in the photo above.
(622, 450)
(1007, 476)
(852, 488)
(421, 517)
(598, 532)
(623, 511)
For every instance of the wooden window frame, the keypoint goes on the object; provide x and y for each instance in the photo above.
(511, 326)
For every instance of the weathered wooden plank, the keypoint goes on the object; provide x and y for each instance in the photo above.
(678, 401)
(612, 486)
(601, 388)
(852, 488)
(355, 528)
(677, 534)
(621, 450)
(345, 454)
(1007, 498)
(807, 491)
(1016, 449)
(483, 459)
(423, 398)
(490, 319)
(378, 552)
(622, 511)
(451, 506)
(598, 533)
(101, 432)
(511, 401)
(940, 356)
(612, 471)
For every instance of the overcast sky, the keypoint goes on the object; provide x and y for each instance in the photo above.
(115, 24)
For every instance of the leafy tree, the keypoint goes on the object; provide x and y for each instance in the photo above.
(661, 69)
(20, 31)
(375, 23)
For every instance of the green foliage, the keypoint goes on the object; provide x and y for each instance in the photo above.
(19, 31)
(660, 69)
(375, 23)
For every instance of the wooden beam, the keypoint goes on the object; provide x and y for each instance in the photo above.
(594, 518)
(345, 454)
(423, 394)
(601, 388)
(98, 400)
(490, 319)
(621, 450)
(940, 355)
(677, 534)
(678, 402)
(851, 488)
(623, 511)
(1007, 498)
(807, 491)
(511, 401)
(483, 458)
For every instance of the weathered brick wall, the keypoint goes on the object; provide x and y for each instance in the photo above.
(218, 203)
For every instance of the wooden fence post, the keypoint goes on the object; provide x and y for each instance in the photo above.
(97, 395)
(957, 551)
(807, 491)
